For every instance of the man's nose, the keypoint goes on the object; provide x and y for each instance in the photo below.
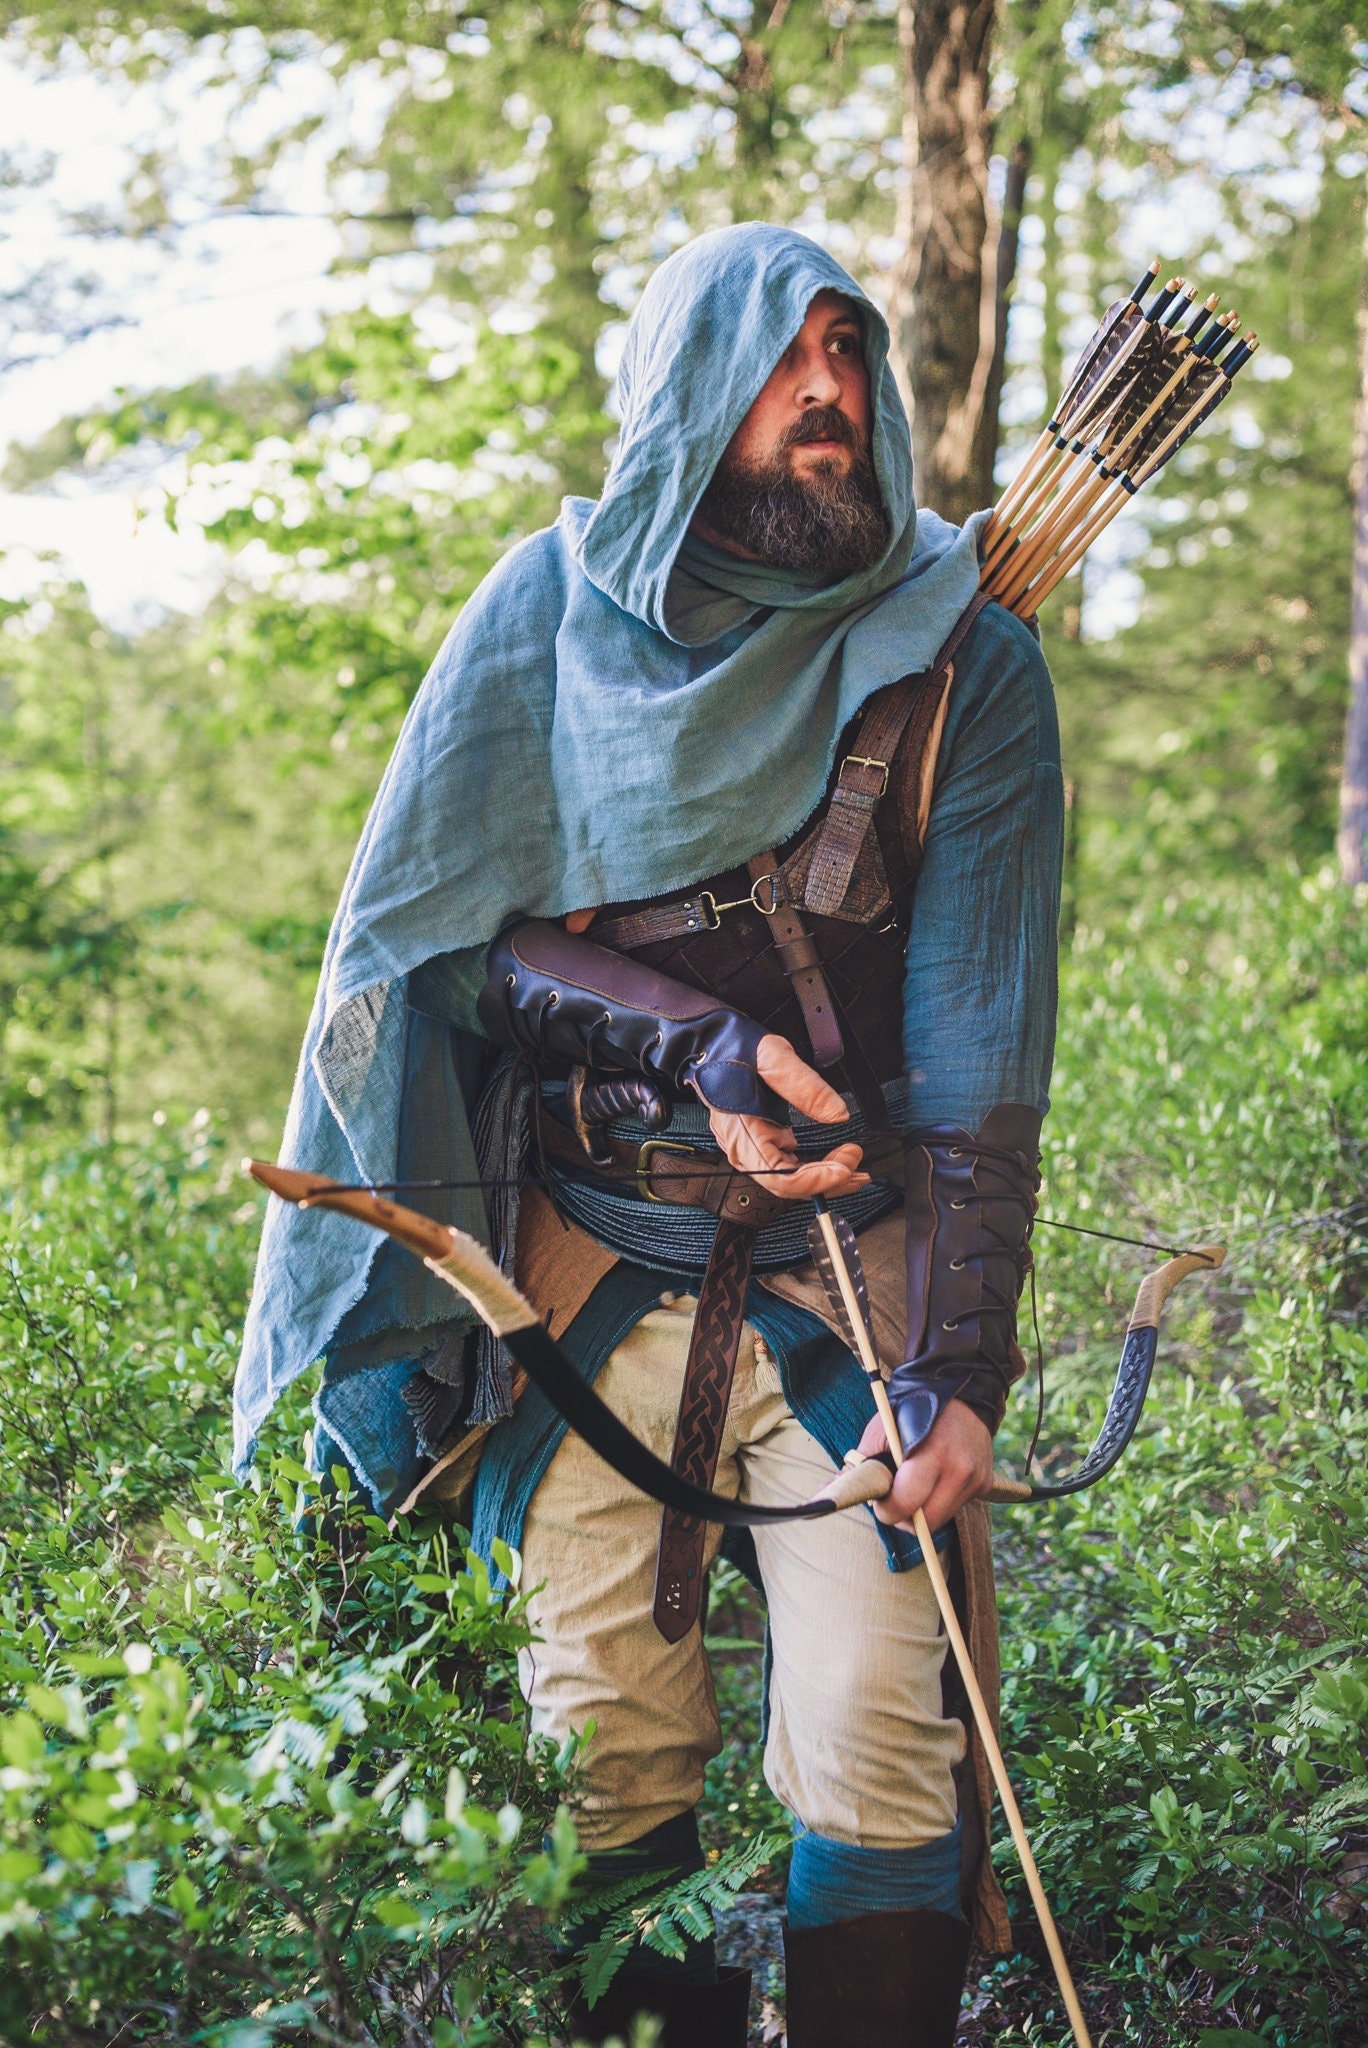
(818, 383)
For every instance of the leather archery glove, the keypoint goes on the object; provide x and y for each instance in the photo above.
(970, 1204)
(557, 996)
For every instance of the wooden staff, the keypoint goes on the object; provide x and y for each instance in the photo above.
(982, 1718)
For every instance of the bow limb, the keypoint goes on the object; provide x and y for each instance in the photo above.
(465, 1265)
(1132, 1379)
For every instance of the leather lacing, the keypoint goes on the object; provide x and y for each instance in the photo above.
(933, 1138)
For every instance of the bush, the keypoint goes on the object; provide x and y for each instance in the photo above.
(258, 1779)
(262, 1781)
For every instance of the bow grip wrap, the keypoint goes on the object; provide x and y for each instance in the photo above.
(970, 1202)
(555, 995)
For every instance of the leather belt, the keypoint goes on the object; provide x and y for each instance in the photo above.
(794, 947)
(800, 961)
(663, 1171)
(700, 912)
(708, 1374)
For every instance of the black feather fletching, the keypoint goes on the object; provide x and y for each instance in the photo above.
(826, 1272)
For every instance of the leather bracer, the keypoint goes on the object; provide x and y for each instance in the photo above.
(560, 997)
(970, 1202)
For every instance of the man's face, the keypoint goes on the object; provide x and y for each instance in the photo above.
(796, 486)
(822, 370)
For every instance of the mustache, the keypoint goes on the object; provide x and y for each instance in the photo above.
(821, 423)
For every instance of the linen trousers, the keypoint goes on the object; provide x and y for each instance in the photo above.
(858, 1748)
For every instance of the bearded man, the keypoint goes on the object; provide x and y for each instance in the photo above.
(726, 812)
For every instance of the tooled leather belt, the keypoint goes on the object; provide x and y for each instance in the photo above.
(678, 1174)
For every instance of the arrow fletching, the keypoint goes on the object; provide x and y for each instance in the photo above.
(826, 1273)
(1149, 377)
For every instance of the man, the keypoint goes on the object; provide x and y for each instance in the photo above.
(669, 826)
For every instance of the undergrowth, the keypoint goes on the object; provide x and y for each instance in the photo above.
(264, 1782)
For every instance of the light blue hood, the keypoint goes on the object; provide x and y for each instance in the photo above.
(569, 747)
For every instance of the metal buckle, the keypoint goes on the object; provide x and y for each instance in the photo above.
(865, 761)
(646, 1152)
(712, 909)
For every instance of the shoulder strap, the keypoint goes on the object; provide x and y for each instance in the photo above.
(863, 775)
(799, 958)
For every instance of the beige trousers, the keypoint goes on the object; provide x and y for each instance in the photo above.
(857, 1746)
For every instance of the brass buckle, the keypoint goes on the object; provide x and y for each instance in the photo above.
(712, 909)
(865, 761)
(646, 1152)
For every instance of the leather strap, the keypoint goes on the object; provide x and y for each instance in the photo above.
(651, 927)
(798, 957)
(863, 775)
(708, 1376)
(663, 1171)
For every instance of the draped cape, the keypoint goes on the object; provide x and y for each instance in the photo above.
(617, 712)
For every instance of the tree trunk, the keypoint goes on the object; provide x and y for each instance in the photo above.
(1353, 831)
(950, 292)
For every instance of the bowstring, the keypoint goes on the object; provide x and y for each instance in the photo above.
(395, 1187)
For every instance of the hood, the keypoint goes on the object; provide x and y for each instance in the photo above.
(709, 328)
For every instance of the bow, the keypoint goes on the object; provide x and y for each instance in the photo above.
(465, 1265)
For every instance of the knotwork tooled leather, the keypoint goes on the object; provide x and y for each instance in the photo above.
(708, 1376)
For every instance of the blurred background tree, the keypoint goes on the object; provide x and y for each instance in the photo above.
(180, 803)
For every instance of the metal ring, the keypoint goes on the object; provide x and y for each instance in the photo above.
(774, 882)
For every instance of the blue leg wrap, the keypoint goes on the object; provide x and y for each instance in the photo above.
(831, 1881)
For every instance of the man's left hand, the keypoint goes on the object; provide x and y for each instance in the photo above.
(952, 1465)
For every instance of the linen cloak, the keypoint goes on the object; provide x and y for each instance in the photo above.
(570, 747)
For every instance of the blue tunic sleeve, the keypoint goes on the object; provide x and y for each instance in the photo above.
(982, 976)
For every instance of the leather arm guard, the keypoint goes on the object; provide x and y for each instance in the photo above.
(970, 1203)
(557, 996)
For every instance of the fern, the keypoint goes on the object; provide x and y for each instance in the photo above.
(668, 1917)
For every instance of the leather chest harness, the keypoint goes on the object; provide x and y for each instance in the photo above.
(808, 940)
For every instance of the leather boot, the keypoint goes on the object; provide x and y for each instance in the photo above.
(891, 1978)
(694, 2015)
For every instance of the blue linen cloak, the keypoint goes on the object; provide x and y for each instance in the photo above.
(571, 747)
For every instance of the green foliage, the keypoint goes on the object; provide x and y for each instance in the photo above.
(1186, 1694)
(1214, 722)
(263, 1778)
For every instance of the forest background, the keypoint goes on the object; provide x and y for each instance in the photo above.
(258, 1786)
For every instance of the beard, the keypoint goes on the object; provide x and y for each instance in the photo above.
(826, 524)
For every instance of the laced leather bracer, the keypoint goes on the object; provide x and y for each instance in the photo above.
(970, 1202)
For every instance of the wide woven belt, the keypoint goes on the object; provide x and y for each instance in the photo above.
(660, 1170)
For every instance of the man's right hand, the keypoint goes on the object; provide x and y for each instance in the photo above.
(769, 1152)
